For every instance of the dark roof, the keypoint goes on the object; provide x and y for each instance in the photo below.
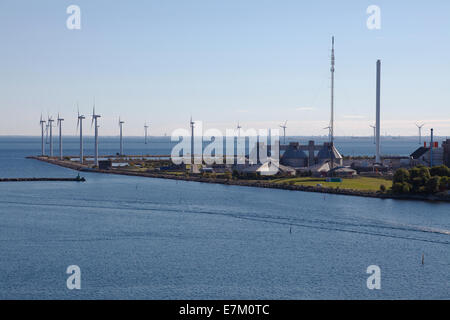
(294, 152)
(419, 152)
(325, 152)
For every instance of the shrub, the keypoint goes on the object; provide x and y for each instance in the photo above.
(432, 185)
(397, 187)
(406, 188)
(440, 171)
(383, 188)
(401, 175)
(444, 184)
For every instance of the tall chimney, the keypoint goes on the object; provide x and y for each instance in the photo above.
(431, 148)
(378, 128)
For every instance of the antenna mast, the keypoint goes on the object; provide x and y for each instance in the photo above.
(332, 92)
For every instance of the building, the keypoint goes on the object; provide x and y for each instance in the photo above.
(329, 153)
(294, 156)
(300, 156)
(422, 156)
(446, 147)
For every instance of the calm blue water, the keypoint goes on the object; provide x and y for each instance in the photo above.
(160, 239)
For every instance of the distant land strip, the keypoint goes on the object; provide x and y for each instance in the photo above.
(257, 184)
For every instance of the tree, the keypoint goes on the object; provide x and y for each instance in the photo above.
(397, 187)
(444, 184)
(440, 171)
(432, 185)
(383, 188)
(401, 175)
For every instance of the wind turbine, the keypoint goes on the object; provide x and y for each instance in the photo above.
(46, 134)
(80, 124)
(329, 131)
(41, 122)
(146, 129)
(374, 133)
(420, 131)
(59, 123)
(192, 124)
(50, 126)
(121, 139)
(239, 129)
(284, 127)
(95, 121)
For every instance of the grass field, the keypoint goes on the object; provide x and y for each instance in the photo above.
(359, 183)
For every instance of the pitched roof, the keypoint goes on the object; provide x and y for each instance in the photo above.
(419, 152)
(326, 153)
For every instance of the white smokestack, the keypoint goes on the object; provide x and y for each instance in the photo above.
(378, 142)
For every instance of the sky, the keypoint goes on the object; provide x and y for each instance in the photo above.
(258, 62)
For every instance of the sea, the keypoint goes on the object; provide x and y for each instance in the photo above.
(146, 238)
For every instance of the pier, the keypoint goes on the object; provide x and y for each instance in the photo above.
(77, 179)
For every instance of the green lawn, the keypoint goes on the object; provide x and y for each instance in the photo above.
(360, 183)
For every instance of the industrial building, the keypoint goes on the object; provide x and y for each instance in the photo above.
(432, 155)
(307, 156)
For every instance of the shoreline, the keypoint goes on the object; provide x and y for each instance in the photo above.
(254, 184)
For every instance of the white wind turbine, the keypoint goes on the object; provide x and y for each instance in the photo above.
(329, 131)
(192, 124)
(59, 123)
(284, 127)
(239, 129)
(374, 134)
(80, 124)
(42, 122)
(146, 131)
(50, 126)
(420, 131)
(95, 121)
(121, 138)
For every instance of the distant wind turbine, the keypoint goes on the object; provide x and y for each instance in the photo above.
(121, 138)
(192, 124)
(420, 131)
(42, 122)
(284, 127)
(50, 126)
(329, 131)
(146, 131)
(59, 123)
(80, 124)
(374, 134)
(95, 121)
(239, 129)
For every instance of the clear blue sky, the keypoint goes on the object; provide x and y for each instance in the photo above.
(257, 61)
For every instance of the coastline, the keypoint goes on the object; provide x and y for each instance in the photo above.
(255, 184)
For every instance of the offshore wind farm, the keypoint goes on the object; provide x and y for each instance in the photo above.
(239, 150)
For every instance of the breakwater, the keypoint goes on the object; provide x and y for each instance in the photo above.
(77, 179)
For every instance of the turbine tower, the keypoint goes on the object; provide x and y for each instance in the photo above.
(95, 121)
(146, 130)
(329, 131)
(378, 98)
(50, 126)
(332, 69)
(374, 134)
(80, 124)
(41, 122)
(192, 124)
(333, 60)
(284, 127)
(239, 129)
(59, 123)
(121, 138)
(46, 133)
(420, 131)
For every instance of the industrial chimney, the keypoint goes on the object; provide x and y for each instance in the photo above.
(378, 128)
